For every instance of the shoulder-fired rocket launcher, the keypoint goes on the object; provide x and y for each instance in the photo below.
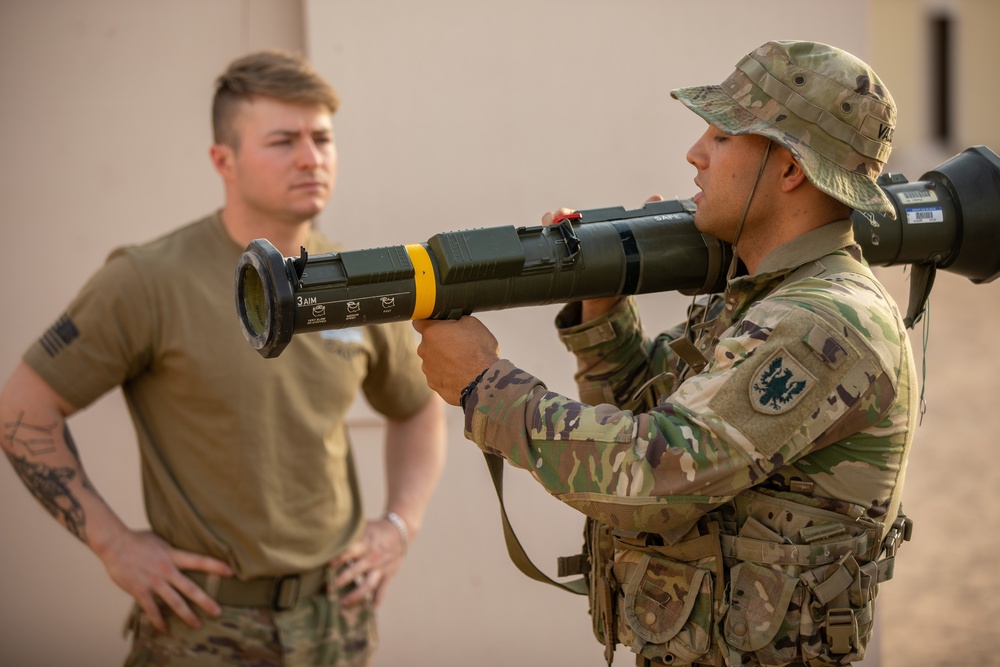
(949, 220)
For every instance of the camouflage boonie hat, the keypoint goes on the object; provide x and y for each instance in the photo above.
(827, 107)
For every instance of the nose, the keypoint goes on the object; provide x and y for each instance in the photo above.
(309, 154)
(697, 154)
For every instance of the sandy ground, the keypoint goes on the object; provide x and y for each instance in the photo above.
(943, 606)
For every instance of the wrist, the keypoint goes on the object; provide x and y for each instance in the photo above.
(400, 524)
(470, 388)
(591, 309)
(105, 533)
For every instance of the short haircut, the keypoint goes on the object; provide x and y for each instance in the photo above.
(276, 74)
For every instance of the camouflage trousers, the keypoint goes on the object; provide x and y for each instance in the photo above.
(318, 631)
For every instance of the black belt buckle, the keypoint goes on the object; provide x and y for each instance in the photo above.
(286, 592)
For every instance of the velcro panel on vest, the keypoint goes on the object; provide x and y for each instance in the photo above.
(772, 397)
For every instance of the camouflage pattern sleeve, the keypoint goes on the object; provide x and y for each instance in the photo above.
(789, 377)
(616, 363)
(611, 352)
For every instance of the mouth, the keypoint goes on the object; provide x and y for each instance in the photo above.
(309, 186)
(700, 192)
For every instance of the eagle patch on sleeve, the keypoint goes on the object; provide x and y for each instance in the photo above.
(779, 384)
(788, 391)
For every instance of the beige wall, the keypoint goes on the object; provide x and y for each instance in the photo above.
(901, 56)
(455, 115)
(104, 120)
(978, 25)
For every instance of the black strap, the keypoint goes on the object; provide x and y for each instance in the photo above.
(633, 261)
(514, 548)
(277, 593)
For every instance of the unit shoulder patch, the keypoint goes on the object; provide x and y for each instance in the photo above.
(779, 383)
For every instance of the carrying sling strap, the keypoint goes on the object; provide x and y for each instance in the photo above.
(514, 548)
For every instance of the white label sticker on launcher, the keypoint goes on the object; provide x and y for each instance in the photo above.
(917, 197)
(916, 216)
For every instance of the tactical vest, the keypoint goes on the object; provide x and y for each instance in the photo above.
(775, 577)
(766, 580)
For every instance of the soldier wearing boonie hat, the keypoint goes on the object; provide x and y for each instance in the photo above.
(741, 473)
(827, 107)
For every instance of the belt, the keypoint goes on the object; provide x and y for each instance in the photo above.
(277, 593)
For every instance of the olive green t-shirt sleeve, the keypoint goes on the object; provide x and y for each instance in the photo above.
(395, 385)
(102, 339)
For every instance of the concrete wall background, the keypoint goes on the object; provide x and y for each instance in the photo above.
(454, 115)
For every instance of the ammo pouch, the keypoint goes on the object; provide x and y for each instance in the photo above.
(765, 580)
(667, 596)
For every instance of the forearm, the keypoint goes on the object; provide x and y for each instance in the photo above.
(656, 471)
(414, 459)
(38, 444)
(612, 354)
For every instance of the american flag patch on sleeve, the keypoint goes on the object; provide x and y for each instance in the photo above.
(59, 335)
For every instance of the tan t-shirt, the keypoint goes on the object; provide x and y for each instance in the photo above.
(243, 458)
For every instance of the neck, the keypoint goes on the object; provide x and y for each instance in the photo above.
(781, 229)
(244, 226)
(753, 246)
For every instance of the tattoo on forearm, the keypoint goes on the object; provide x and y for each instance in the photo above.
(51, 487)
(36, 439)
(49, 484)
(71, 444)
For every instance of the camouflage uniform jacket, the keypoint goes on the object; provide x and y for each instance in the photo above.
(747, 489)
(809, 377)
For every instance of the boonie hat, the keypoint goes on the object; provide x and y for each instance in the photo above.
(824, 105)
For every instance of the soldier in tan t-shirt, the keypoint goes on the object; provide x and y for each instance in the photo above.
(259, 548)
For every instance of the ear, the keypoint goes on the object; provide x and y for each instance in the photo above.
(222, 157)
(792, 174)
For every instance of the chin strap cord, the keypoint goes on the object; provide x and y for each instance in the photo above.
(743, 216)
